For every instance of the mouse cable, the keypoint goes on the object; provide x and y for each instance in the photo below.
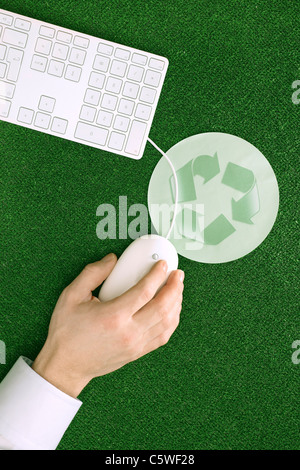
(176, 186)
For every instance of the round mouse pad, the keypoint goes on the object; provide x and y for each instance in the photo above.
(228, 197)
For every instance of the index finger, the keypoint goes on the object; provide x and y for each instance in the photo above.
(141, 293)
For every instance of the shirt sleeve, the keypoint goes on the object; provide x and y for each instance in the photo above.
(33, 413)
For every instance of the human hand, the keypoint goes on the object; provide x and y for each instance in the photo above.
(89, 338)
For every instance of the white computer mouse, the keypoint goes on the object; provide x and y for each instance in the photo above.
(136, 262)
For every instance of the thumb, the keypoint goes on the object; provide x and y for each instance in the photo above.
(92, 276)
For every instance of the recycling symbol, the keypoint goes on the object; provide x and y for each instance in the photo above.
(228, 197)
(236, 177)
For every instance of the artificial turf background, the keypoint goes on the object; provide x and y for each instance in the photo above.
(225, 380)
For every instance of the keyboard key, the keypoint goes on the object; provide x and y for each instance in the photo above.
(2, 70)
(148, 95)
(97, 80)
(6, 89)
(92, 134)
(73, 73)
(142, 111)
(60, 51)
(4, 108)
(152, 78)
(15, 38)
(56, 68)
(42, 120)
(131, 90)
(121, 123)
(109, 102)
(43, 46)
(116, 141)
(92, 97)
(101, 63)
(59, 125)
(118, 68)
(14, 58)
(87, 113)
(81, 42)
(139, 59)
(22, 24)
(77, 56)
(105, 49)
(64, 37)
(135, 137)
(6, 19)
(122, 54)
(104, 118)
(156, 64)
(25, 115)
(39, 63)
(135, 73)
(47, 32)
(2, 51)
(126, 106)
(113, 84)
(46, 104)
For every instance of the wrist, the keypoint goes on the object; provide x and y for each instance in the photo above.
(64, 378)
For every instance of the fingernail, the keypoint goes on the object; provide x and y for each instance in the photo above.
(165, 266)
(181, 275)
(108, 257)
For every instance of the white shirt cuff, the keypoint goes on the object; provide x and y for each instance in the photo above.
(33, 413)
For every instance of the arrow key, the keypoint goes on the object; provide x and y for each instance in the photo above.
(59, 125)
(46, 104)
(25, 115)
(42, 120)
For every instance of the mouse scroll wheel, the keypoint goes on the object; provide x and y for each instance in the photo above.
(155, 256)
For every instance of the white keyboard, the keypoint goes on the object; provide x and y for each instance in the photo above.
(76, 86)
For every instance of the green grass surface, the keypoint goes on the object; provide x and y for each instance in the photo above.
(225, 380)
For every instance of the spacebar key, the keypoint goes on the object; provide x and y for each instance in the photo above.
(93, 134)
(136, 137)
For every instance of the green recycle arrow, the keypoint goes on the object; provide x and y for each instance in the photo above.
(206, 166)
(242, 179)
(236, 177)
(218, 230)
(213, 234)
(203, 165)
